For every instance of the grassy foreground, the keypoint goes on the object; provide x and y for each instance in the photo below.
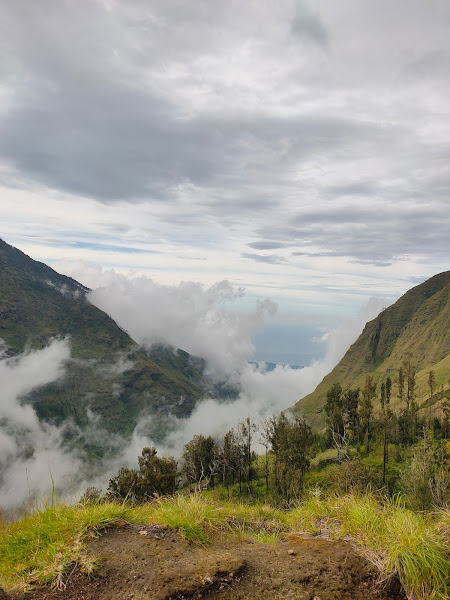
(45, 545)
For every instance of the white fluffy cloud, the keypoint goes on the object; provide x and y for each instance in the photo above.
(264, 393)
(188, 316)
(32, 453)
(34, 456)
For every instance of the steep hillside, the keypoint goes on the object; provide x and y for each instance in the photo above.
(108, 372)
(415, 328)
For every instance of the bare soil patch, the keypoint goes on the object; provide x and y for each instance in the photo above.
(3, 594)
(156, 563)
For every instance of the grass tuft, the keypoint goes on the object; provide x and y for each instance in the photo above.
(193, 516)
(266, 537)
(41, 547)
(417, 552)
(412, 546)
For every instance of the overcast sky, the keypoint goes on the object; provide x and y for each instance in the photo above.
(298, 149)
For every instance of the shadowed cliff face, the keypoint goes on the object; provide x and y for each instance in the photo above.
(416, 328)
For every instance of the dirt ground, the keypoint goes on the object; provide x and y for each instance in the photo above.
(156, 563)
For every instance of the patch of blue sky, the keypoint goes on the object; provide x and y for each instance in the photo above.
(97, 246)
(71, 241)
(111, 248)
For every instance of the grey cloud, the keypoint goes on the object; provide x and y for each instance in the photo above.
(111, 142)
(367, 234)
(109, 152)
(434, 65)
(310, 254)
(271, 259)
(373, 262)
(91, 112)
(308, 24)
(82, 124)
(266, 245)
(358, 188)
(242, 201)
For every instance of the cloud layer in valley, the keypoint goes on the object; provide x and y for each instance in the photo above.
(190, 316)
(264, 393)
(202, 321)
(31, 452)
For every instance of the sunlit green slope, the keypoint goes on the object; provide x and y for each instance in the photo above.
(415, 328)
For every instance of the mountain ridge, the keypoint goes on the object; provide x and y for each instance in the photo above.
(38, 304)
(416, 328)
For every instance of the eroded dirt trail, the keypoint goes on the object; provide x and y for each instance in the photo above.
(155, 563)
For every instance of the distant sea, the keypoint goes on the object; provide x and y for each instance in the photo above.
(270, 366)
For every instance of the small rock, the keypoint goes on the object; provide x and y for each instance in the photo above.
(143, 532)
(293, 553)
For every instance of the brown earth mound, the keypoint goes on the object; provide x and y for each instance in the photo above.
(3, 594)
(156, 563)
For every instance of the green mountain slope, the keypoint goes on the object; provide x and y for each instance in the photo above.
(108, 372)
(415, 328)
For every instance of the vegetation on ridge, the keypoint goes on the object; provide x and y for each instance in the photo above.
(108, 372)
(415, 328)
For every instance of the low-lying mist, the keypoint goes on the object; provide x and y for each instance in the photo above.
(31, 452)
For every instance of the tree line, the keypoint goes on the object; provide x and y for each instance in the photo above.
(411, 434)
(230, 461)
(380, 436)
